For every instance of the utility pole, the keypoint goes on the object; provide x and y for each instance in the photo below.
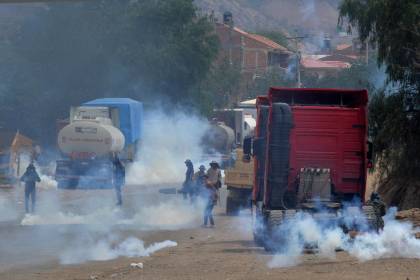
(298, 56)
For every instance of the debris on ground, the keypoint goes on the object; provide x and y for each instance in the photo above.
(137, 265)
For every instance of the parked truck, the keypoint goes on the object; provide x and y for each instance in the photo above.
(311, 155)
(98, 132)
(239, 180)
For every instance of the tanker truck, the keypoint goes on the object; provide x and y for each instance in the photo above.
(98, 131)
(219, 141)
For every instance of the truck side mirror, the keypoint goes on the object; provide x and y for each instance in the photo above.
(247, 147)
(369, 155)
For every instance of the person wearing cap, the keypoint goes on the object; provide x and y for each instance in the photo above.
(215, 175)
(30, 177)
(200, 178)
(188, 182)
(119, 179)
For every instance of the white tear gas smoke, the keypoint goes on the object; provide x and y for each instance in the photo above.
(169, 215)
(47, 181)
(8, 211)
(168, 141)
(105, 249)
(308, 9)
(397, 239)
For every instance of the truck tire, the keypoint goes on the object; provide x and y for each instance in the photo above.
(232, 207)
(273, 239)
(258, 226)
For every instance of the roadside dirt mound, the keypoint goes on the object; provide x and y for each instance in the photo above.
(402, 194)
(412, 215)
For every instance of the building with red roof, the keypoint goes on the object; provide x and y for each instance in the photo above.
(252, 53)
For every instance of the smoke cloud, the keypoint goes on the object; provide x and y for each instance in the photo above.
(171, 214)
(397, 239)
(8, 211)
(168, 141)
(105, 249)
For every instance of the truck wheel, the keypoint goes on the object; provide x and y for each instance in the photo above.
(273, 238)
(232, 207)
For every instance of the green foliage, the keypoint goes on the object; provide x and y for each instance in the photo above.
(274, 77)
(394, 26)
(357, 76)
(70, 53)
(276, 36)
(221, 85)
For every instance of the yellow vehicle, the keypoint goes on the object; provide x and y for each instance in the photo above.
(239, 181)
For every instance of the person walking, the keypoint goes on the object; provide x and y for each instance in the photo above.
(119, 179)
(30, 178)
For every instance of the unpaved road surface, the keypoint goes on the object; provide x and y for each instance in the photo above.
(223, 252)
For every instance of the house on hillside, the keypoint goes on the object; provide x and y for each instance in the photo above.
(315, 66)
(13, 147)
(252, 53)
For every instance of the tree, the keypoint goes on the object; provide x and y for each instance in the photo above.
(276, 36)
(69, 53)
(394, 26)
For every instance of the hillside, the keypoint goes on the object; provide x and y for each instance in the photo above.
(308, 16)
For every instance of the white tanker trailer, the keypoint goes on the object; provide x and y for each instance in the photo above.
(98, 131)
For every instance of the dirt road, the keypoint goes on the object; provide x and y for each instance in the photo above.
(223, 252)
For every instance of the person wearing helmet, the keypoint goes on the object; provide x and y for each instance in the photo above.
(200, 178)
(188, 182)
(379, 208)
(30, 177)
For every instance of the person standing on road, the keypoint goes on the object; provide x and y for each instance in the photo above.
(210, 195)
(215, 175)
(119, 179)
(188, 183)
(30, 177)
(200, 178)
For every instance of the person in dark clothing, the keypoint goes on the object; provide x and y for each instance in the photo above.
(379, 208)
(187, 186)
(119, 179)
(200, 178)
(30, 177)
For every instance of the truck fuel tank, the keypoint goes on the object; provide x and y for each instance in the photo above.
(89, 138)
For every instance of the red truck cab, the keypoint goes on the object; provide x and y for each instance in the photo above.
(310, 130)
(311, 155)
